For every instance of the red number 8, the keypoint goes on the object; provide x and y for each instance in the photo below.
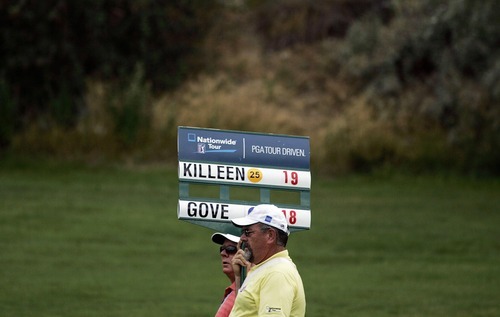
(293, 216)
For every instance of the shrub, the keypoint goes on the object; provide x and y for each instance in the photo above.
(357, 141)
(285, 23)
(433, 68)
(50, 48)
(128, 108)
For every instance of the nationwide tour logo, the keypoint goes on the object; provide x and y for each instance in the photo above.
(212, 145)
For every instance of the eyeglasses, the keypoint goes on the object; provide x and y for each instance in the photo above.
(230, 249)
(247, 232)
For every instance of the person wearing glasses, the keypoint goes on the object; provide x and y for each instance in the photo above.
(228, 247)
(273, 286)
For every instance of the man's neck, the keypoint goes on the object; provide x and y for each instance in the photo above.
(271, 252)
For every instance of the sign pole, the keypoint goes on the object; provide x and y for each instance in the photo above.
(243, 275)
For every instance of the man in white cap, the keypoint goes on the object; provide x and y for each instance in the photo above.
(273, 286)
(228, 247)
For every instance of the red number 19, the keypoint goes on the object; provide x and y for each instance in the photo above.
(294, 177)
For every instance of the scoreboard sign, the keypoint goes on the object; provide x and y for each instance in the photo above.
(231, 159)
(207, 172)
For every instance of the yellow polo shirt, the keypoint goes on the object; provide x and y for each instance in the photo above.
(271, 288)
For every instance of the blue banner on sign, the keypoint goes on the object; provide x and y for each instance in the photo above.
(211, 145)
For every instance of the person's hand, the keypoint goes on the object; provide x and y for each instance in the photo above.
(238, 261)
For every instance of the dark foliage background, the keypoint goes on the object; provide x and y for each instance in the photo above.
(50, 48)
(375, 83)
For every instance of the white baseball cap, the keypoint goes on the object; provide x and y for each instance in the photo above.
(266, 214)
(220, 237)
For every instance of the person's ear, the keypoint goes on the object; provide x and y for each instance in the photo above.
(272, 235)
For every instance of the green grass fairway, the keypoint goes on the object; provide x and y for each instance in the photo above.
(88, 242)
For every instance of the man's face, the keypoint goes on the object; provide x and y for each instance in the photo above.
(255, 240)
(227, 251)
